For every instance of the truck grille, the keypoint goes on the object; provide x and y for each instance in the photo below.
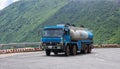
(51, 43)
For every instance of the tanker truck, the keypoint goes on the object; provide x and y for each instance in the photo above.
(66, 39)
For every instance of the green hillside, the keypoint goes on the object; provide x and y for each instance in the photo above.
(23, 20)
(18, 22)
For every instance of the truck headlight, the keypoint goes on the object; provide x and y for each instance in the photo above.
(59, 44)
(61, 41)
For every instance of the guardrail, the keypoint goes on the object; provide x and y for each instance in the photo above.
(19, 50)
(20, 47)
(21, 44)
(107, 46)
(35, 46)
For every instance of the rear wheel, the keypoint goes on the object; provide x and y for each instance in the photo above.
(67, 51)
(74, 50)
(84, 49)
(89, 49)
(48, 52)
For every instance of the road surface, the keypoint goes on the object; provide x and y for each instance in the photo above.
(107, 58)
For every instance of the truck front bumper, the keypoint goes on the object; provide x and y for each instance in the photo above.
(54, 47)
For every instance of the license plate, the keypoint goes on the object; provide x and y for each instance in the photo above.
(49, 47)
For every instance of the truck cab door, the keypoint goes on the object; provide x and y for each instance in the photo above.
(66, 36)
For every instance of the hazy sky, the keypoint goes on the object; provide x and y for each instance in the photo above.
(5, 3)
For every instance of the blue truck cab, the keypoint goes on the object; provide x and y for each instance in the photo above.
(57, 39)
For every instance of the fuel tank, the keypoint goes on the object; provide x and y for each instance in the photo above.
(77, 33)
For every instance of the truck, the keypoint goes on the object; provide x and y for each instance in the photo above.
(67, 39)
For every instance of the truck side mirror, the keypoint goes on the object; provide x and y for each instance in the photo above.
(65, 32)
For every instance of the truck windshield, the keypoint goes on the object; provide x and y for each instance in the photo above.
(53, 33)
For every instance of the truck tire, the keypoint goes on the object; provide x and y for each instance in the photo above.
(74, 50)
(47, 52)
(67, 51)
(56, 53)
(84, 49)
(89, 49)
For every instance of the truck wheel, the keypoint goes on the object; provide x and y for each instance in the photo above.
(48, 52)
(56, 53)
(89, 49)
(81, 51)
(85, 51)
(74, 50)
(67, 51)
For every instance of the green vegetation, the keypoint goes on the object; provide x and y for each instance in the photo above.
(23, 20)
(19, 21)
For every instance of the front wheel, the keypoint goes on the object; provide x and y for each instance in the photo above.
(56, 53)
(48, 52)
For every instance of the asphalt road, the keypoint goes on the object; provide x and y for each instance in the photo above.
(107, 58)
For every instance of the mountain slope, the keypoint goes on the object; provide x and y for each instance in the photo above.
(21, 21)
(18, 21)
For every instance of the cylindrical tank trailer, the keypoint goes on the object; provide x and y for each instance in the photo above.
(80, 33)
